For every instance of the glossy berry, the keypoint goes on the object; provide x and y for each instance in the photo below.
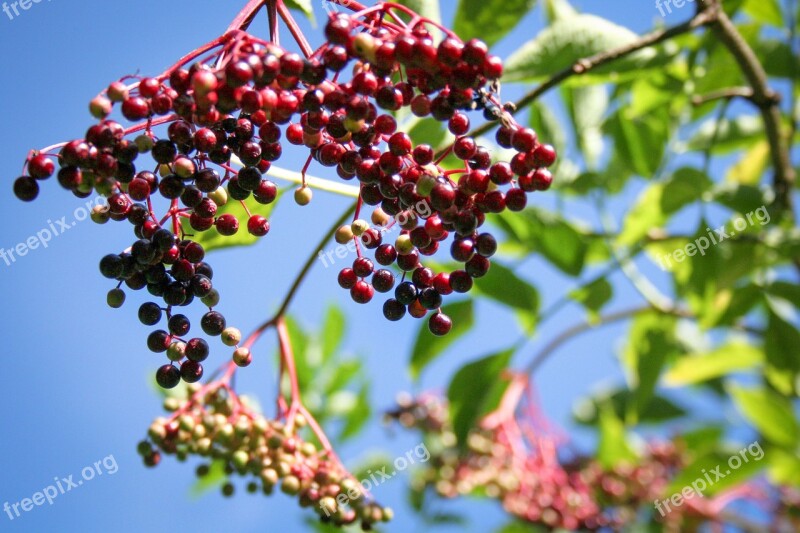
(191, 371)
(393, 310)
(440, 324)
(168, 377)
(212, 323)
(362, 292)
(150, 314)
(197, 350)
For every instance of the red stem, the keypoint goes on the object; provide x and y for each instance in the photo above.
(294, 29)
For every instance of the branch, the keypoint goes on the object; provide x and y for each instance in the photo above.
(582, 66)
(763, 97)
(726, 94)
(611, 318)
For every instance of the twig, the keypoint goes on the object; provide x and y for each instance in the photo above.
(726, 94)
(582, 66)
(618, 316)
(767, 101)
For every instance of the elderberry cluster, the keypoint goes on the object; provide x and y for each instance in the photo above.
(237, 106)
(215, 424)
(519, 466)
(408, 181)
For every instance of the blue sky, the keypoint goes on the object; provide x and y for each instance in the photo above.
(75, 374)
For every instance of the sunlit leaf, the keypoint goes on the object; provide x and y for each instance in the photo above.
(489, 20)
(726, 359)
(558, 46)
(768, 412)
(475, 390)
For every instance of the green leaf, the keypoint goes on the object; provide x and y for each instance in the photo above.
(502, 285)
(726, 359)
(786, 291)
(770, 413)
(215, 478)
(768, 11)
(304, 6)
(333, 330)
(613, 447)
(558, 240)
(489, 21)
(782, 344)
(651, 342)
(567, 40)
(428, 347)
(707, 464)
(784, 467)
(593, 296)
(559, 10)
(639, 141)
(359, 415)
(544, 121)
(212, 240)
(428, 131)
(342, 375)
(475, 390)
(733, 134)
(660, 200)
(659, 410)
(751, 165)
(587, 107)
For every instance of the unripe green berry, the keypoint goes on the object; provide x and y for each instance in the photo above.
(176, 351)
(172, 404)
(117, 91)
(100, 107)
(303, 195)
(100, 214)
(242, 357)
(380, 217)
(403, 245)
(211, 299)
(240, 459)
(115, 298)
(219, 196)
(184, 167)
(290, 485)
(231, 336)
(425, 184)
(269, 476)
(144, 448)
(144, 143)
(359, 227)
(343, 235)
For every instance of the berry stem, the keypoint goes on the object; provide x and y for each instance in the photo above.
(246, 15)
(310, 181)
(272, 13)
(294, 29)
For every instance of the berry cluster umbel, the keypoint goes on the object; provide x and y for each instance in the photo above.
(517, 463)
(250, 98)
(215, 424)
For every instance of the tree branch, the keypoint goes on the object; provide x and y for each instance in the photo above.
(723, 94)
(763, 97)
(582, 66)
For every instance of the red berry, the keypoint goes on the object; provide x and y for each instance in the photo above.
(362, 292)
(227, 224)
(258, 225)
(440, 324)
